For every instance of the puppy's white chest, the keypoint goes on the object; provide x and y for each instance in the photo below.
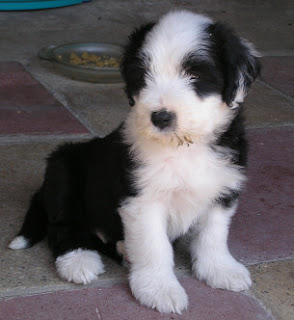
(188, 172)
(186, 183)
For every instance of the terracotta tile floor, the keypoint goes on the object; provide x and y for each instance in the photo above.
(263, 228)
(26, 107)
(117, 303)
(279, 73)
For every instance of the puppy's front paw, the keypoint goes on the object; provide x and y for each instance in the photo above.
(162, 293)
(226, 274)
(80, 266)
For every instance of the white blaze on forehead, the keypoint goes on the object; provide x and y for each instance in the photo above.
(176, 35)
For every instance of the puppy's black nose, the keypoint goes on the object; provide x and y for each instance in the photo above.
(162, 118)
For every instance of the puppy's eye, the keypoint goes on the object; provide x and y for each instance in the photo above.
(193, 78)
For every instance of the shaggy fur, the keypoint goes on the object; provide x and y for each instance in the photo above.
(175, 165)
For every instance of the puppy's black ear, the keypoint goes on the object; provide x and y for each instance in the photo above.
(133, 67)
(238, 61)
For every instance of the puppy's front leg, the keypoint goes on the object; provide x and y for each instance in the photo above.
(211, 259)
(152, 279)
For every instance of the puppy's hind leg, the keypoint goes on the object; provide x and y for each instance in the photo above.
(74, 248)
(69, 236)
(211, 259)
(34, 227)
(75, 251)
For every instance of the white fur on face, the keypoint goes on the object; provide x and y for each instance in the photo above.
(168, 86)
(171, 39)
(196, 120)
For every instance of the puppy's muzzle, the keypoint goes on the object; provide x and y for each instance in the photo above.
(163, 119)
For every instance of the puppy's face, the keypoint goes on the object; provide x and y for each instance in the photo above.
(185, 77)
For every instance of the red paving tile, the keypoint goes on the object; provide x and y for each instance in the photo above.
(279, 72)
(263, 228)
(117, 303)
(26, 107)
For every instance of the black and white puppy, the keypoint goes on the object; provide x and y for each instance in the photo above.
(175, 165)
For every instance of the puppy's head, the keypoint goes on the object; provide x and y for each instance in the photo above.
(185, 78)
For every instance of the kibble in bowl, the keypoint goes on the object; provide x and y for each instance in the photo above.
(94, 62)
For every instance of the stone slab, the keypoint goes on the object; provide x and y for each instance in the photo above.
(279, 73)
(273, 284)
(26, 107)
(265, 107)
(102, 106)
(263, 228)
(117, 303)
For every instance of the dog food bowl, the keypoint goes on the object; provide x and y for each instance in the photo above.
(93, 62)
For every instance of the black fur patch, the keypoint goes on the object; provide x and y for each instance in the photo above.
(133, 62)
(83, 187)
(207, 78)
(233, 58)
(234, 138)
